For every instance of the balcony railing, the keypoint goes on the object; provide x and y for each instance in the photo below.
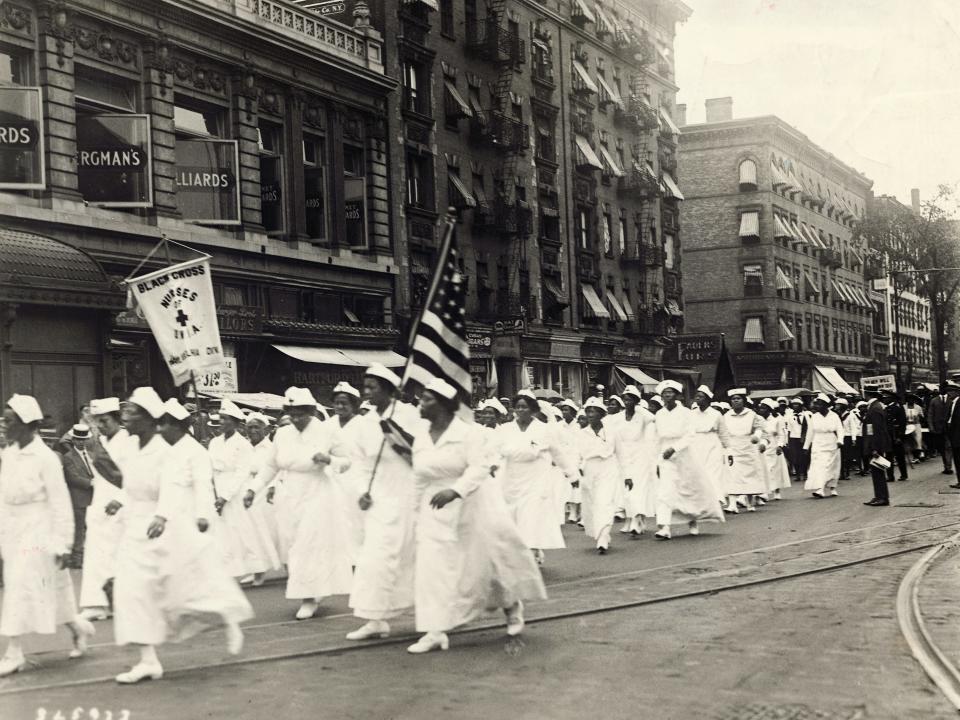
(515, 219)
(637, 113)
(501, 131)
(582, 125)
(639, 182)
(584, 190)
(491, 41)
(636, 48)
(831, 258)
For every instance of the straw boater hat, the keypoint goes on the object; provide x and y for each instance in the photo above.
(80, 431)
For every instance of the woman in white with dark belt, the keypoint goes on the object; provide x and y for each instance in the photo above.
(470, 557)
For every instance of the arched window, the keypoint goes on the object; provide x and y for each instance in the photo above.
(748, 175)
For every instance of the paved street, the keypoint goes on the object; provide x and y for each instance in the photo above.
(784, 641)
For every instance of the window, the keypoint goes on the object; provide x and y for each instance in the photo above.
(420, 181)
(192, 122)
(284, 304)
(607, 229)
(101, 92)
(415, 88)
(753, 280)
(748, 175)
(798, 323)
(546, 147)
(315, 186)
(446, 18)
(15, 67)
(669, 256)
(355, 196)
(270, 146)
(622, 239)
(582, 229)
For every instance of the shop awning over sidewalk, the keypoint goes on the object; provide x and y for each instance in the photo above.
(350, 357)
(827, 379)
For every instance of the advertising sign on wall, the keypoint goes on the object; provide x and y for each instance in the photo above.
(208, 190)
(21, 139)
(222, 380)
(114, 160)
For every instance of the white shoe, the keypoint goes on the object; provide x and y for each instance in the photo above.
(82, 630)
(140, 671)
(694, 527)
(94, 614)
(662, 534)
(234, 638)
(834, 493)
(373, 629)
(752, 508)
(732, 509)
(307, 610)
(430, 641)
(515, 618)
(12, 664)
(627, 527)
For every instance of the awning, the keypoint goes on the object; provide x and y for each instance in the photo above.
(480, 196)
(611, 162)
(811, 282)
(610, 91)
(625, 302)
(618, 311)
(783, 282)
(585, 78)
(672, 187)
(350, 357)
(838, 290)
(638, 376)
(778, 178)
(749, 224)
(588, 156)
(814, 236)
(477, 110)
(466, 197)
(258, 401)
(665, 119)
(827, 379)
(797, 234)
(780, 230)
(455, 100)
(559, 297)
(602, 18)
(753, 331)
(748, 173)
(783, 392)
(785, 333)
(432, 4)
(856, 255)
(594, 303)
(672, 308)
(861, 297)
(350, 315)
(582, 8)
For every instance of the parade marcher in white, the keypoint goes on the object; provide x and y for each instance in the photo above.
(104, 516)
(638, 444)
(775, 438)
(570, 428)
(319, 562)
(824, 441)
(382, 585)
(36, 532)
(601, 473)
(470, 557)
(705, 443)
(741, 432)
(527, 448)
(258, 429)
(243, 534)
(684, 488)
(170, 581)
(350, 435)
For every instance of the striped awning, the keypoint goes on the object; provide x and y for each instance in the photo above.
(785, 333)
(753, 330)
(618, 311)
(750, 224)
(611, 162)
(673, 190)
(812, 236)
(610, 91)
(464, 198)
(797, 234)
(780, 229)
(585, 78)
(594, 303)
(667, 121)
(783, 282)
(587, 155)
(811, 283)
(627, 307)
(840, 292)
(581, 7)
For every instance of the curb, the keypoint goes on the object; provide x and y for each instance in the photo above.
(935, 664)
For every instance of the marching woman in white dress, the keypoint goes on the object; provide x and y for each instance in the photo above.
(527, 448)
(258, 428)
(170, 583)
(775, 438)
(350, 434)
(242, 533)
(602, 475)
(382, 585)
(683, 486)
(570, 432)
(36, 534)
(319, 560)
(825, 443)
(741, 432)
(638, 442)
(705, 443)
(470, 557)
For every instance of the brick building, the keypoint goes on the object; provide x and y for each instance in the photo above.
(252, 130)
(548, 127)
(768, 222)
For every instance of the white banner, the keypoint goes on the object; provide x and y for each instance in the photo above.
(220, 381)
(178, 304)
(879, 382)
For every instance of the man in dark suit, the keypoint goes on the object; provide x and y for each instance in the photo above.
(877, 443)
(897, 424)
(78, 472)
(937, 420)
(952, 435)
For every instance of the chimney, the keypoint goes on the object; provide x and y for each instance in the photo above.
(681, 114)
(915, 199)
(719, 109)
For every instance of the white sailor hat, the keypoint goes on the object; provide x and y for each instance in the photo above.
(103, 406)
(596, 403)
(298, 397)
(527, 393)
(770, 403)
(554, 411)
(632, 390)
(567, 402)
(669, 385)
(26, 407)
(823, 398)
(841, 401)
(737, 391)
(862, 403)
(146, 398)
(706, 391)
(257, 417)
(495, 405)
(213, 420)
(657, 399)
(796, 401)
(378, 370)
(643, 404)
(724, 405)
(618, 400)
(782, 399)
(347, 389)
(441, 388)
(228, 408)
(175, 410)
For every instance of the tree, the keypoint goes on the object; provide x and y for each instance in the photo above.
(922, 249)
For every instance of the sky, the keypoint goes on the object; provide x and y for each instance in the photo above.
(875, 82)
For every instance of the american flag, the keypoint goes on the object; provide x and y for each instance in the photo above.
(439, 348)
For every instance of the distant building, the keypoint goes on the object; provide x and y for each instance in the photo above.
(768, 255)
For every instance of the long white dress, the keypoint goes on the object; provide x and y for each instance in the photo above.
(382, 585)
(36, 525)
(569, 433)
(319, 560)
(775, 438)
(748, 474)
(242, 533)
(684, 487)
(266, 508)
(103, 531)
(347, 444)
(470, 557)
(705, 444)
(638, 444)
(824, 436)
(173, 586)
(601, 482)
(529, 481)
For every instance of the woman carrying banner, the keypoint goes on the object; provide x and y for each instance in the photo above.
(470, 557)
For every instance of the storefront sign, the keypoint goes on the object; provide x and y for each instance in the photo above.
(206, 178)
(568, 351)
(536, 348)
(879, 382)
(695, 349)
(21, 139)
(591, 351)
(113, 160)
(506, 346)
(240, 319)
(645, 354)
(178, 303)
(130, 319)
(760, 377)
(220, 381)
(355, 210)
(481, 343)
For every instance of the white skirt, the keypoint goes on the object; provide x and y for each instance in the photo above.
(99, 554)
(530, 491)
